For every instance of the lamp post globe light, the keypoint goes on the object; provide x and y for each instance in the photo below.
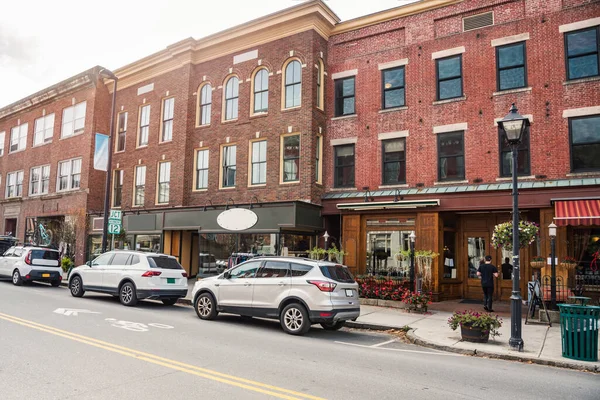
(552, 235)
(514, 126)
(412, 238)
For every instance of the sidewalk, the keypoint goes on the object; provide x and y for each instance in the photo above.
(542, 344)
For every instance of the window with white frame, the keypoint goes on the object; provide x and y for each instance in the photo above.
(122, 131)
(44, 129)
(39, 180)
(140, 185)
(290, 154)
(73, 120)
(69, 174)
(164, 180)
(229, 166)
(318, 158)
(18, 137)
(118, 188)
(293, 84)
(205, 104)
(167, 119)
(261, 91)
(144, 125)
(2, 134)
(259, 162)
(202, 169)
(14, 184)
(232, 92)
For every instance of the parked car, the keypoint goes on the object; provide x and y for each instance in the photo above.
(131, 276)
(298, 292)
(25, 264)
(7, 242)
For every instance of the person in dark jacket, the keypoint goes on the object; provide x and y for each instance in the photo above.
(487, 272)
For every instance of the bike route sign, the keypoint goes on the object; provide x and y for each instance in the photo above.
(114, 222)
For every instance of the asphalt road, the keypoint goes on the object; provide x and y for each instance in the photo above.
(108, 351)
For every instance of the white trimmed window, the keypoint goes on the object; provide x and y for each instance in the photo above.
(167, 119)
(39, 180)
(232, 92)
(14, 184)
(164, 180)
(118, 188)
(44, 129)
(2, 135)
(18, 138)
(202, 169)
(293, 84)
(290, 158)
(260, 86)
(69, 174)
(144, 125)
(259, 162)
(73, 120)
(318, 159)
(140, 185)
(205, 104)
(121, 131)
(229, 166)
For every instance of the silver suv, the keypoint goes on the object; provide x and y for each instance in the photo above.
(298, 292)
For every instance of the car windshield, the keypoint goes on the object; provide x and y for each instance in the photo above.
(164, 262)
(338, 273)
(44, 255)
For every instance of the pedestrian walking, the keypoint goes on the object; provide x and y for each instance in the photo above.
(487, 271)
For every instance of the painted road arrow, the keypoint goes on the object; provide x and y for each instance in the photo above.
(73, 311)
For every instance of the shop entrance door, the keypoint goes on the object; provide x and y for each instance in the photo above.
(476, 246)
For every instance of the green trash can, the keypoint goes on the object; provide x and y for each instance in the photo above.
(579, 331)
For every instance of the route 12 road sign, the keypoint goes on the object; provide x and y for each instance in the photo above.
(114, 222)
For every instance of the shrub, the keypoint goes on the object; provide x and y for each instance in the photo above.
(66, 264)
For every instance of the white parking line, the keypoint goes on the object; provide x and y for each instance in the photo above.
(400, 350)
(384, 343)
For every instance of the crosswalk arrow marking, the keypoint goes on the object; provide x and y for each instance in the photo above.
(73, 311)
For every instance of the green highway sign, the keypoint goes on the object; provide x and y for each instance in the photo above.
(114, 222)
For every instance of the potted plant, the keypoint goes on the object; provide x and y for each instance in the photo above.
(475, 326)
(502, 237)
(317, 253)
(67, 265)
(335, 255)
(568, 263)
(537, 262)
(416, 301)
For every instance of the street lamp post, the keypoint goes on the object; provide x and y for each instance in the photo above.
(412, 238)
(112, 76)
(514, 126)
(552, 234)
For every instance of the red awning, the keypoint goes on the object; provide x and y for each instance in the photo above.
(577, 212)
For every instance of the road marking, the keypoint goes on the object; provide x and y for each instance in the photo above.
(136, 326)
(400, 350)
(165, 362)
(384, 343)
(73, 311)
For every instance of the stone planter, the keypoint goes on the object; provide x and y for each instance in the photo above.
(474, 334)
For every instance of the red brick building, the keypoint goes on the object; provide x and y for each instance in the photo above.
(46, 162)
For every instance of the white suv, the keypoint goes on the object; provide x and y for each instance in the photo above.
(298, 292)
(131, 276)
(25, 264)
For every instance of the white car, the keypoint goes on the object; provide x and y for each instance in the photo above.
(25, 264)
(131, 276)
(298, 292)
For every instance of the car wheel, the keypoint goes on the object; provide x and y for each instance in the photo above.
(55, 283)
(205, 306)
(16, 278)
(334, 326)
(169, 302)
(76, 287)
(127, 294)
(294, 319)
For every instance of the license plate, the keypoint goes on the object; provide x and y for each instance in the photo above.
(45, 275)
(349, 293)
(170, 280)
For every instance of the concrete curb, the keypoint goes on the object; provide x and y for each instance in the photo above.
(478, 353)
(373, 327)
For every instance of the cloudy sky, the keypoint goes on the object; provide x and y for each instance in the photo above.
(43, 42)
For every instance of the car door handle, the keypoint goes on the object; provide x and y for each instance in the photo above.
(247, 284)
(282, 283)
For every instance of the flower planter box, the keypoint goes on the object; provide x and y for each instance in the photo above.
(568, 266)
(537, 264)
(474, 334)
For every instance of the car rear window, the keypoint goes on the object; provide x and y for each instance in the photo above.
(300, 269)
(44, 255)
(338, 273)
(164, 262)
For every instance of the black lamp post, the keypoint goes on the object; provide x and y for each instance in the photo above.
(412, 238)
(514, 126)
(112, 76)
(552, 234)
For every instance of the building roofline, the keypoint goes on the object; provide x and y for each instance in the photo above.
(69, 85)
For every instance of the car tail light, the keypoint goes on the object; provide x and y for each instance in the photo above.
(28, 258)
(323, 286)
(151, 273)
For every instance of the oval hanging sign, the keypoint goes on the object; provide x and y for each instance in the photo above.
(237, 219)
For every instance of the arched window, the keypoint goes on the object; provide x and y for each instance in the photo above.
(261, 91)
(293, 84)
(204, 107)
(231, 98)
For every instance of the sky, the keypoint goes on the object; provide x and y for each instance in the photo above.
(44, 42)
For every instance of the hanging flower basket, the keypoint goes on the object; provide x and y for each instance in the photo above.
(502, 237)
(538, 263)
(568, 263)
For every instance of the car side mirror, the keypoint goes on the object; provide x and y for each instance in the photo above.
(227, 275)
(89, 263)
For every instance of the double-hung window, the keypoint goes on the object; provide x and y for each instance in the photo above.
(39, 180)
(121, 131)
(510, 63)
(228, 166)
(144, 125)
(73, 120)
(202, 169)
(451, 156)
(584, 135)
(259, 163)
(449, 77)
(69, 174)
(344, 96)
(118, 188)
(2, 135)
(261, 91)
(394, 161)
(232, 92)
(291, 158)
(140, 185)
(392, 90)
(167, 119)
(205, 104)
(318, 159)
(344, 166)
(18, 137)
(582, 49)
(523, 167)
(164, 180)
(293, 84)
(14, 184)
(44, 129)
